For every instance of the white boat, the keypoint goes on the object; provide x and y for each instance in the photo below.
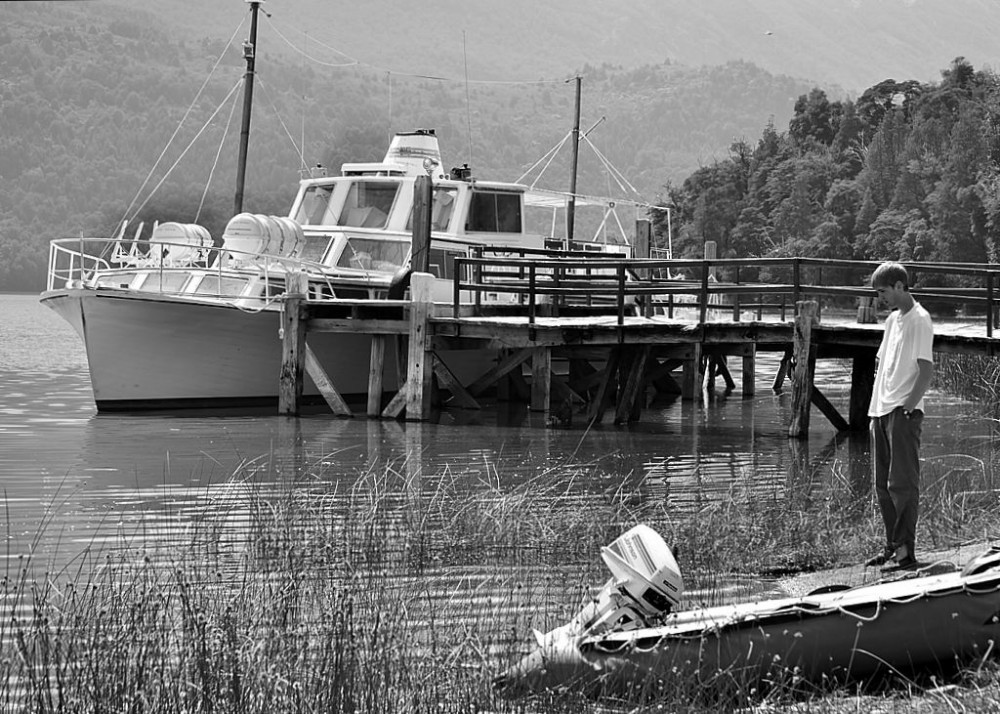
(185, 319)
(179, 321)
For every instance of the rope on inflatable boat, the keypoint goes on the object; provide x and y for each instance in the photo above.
(639, 643)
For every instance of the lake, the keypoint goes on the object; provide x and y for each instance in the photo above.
(72, 477)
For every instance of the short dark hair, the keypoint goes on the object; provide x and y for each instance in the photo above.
(888, 274)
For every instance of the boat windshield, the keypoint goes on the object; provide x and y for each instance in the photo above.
(442, 209)
(314, 206)
(374, 254)
(368, 204)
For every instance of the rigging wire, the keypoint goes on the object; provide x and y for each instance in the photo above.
(173, 136)
(190, 144)
(354, 62)
(306, 55)
(218, 154)
(550, 155)
(614, 172)
(305, 44)
(299, 150)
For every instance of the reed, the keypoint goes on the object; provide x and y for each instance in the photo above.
(365, 592)
(972, 377)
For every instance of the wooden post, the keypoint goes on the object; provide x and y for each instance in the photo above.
(376, 370)
(541, 375)
(750, 371)
(862, 385)
(630, 397)
(608, 386)
(804, 355)
(643, 238)
(866, 310)
(419, 370)
(691, 388)
(325, 386)
(641, 249)
(420, 253)
(783, 369)
(707, 278)
(293, 344)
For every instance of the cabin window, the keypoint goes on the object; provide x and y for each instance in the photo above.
(368, 204)
(442, 262)
(314, 248)
(314, 206)
(226, 287)
(378, 254)
(165, 282)
(115, 280)
(274, 288)
(442, 209)
(494, 212)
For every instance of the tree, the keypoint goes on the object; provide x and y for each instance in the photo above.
(815, 118)
(882, 163)
(751, 236)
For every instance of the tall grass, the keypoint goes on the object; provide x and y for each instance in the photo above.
(972, 377)
(387, 591)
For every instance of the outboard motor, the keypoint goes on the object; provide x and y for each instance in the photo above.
(646, 583)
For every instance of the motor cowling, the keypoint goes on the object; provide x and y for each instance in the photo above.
(646, 584)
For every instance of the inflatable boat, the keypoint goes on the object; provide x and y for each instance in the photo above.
(631, 639)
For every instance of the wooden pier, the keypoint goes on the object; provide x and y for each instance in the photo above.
(589, 335)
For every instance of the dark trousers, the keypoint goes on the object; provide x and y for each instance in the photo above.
(896, 467)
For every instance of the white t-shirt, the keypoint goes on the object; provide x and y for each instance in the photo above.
(907, 338)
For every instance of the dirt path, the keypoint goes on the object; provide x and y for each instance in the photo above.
(931, 562)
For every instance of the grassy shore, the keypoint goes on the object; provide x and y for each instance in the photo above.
(371, 596)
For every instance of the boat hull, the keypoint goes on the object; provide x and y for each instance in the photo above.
(148, 351)
(931, 624)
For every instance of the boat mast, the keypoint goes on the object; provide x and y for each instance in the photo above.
(249, 53)
(571, 206)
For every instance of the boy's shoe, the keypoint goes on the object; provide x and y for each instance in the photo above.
(907, 562)
(882, 558)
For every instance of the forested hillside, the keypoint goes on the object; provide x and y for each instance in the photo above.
(909, 171)
(91, 94)
(847, 43)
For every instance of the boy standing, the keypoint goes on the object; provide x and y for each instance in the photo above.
(905, 369)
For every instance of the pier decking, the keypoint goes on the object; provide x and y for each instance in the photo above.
(600, 334)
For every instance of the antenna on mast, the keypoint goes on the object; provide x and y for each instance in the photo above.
(468, 106)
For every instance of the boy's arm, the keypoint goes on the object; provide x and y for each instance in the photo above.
(920, 386)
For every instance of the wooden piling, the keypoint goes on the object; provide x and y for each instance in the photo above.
(862, 386)
(541, 376)
(420, 367)
(692, 385)
(293, 342)
(376, 370)
(420, 254)
(749, 385)
(631, 395)
(804, 361)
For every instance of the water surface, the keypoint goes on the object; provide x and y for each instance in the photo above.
(91, 478)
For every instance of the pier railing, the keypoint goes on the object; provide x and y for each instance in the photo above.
(544, 283)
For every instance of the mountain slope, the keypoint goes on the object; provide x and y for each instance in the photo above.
(849, 43)
(90, 93)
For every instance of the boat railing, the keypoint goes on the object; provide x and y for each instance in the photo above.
(77, 262)
(70, 265)
(744, 288)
